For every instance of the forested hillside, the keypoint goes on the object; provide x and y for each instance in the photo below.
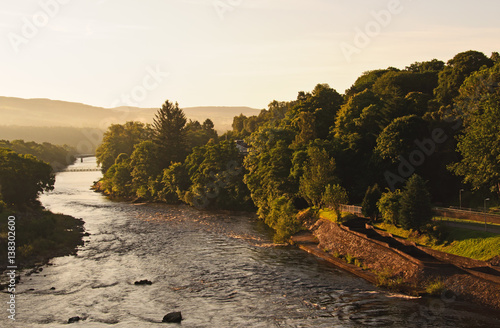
(432, 119)
(57, 156)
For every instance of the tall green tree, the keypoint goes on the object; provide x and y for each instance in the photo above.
(144, 168)
(169, 134)
(389, 206)
(318, 173)
(369, 204)
(416, 209)
(479, 144)
(334, 196)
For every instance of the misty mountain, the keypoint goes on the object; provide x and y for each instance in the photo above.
(55, 113)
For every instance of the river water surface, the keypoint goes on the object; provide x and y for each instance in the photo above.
(220, 270)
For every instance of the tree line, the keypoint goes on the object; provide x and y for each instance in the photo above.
(57, 156)
(432, 119)
(40, 234)
(28, 169)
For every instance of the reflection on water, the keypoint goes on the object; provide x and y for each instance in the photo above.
(220, 270)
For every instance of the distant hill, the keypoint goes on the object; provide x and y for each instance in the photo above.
(55, 113)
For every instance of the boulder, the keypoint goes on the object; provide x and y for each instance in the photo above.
(143, 282)
(74, 319)
(173, 317)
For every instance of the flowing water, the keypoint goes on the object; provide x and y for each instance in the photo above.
(219, 269)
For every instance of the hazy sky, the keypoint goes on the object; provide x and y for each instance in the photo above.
(223, 52)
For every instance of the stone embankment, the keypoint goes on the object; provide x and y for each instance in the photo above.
(377, 254)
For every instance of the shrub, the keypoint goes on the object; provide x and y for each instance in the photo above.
(435, 287)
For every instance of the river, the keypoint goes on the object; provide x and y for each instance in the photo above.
(219, 269)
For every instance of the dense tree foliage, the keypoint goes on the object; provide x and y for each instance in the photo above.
(57, 156)
(479, 145)
(120, 139)
(455, 73)
(416, 210)
(369, 204)
(389, 206)
(169, 134)
(314, 150)
(334, 196)
(23, 178)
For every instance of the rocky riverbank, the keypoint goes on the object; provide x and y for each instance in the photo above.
(400, 265)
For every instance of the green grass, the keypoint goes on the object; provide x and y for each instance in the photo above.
(330, 215)
(478, 245)
(472, 223)
(435, 287)
(474, 244)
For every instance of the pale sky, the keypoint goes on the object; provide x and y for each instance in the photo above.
(223, 52)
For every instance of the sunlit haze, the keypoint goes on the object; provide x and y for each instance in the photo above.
(223, 52)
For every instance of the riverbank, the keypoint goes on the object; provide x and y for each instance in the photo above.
(400, 265)
(40, 235)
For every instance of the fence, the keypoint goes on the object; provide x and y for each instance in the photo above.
(351, 209)
(467, 214)
(90, 169)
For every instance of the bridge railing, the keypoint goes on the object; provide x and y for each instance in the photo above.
(90, 169)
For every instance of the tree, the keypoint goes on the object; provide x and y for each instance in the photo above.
(369, 205)
(416, 209)
(334, 196)
(397, 139)
(427, 66)
(455, 73)
(215, 177)
(389, 206)
(144, 168)
(283, 218)
(169, 134)
(23, 178)
(318, 172)
(198, 135)
(306, 125)
(118, 139)
(479, 145)
(175, 182)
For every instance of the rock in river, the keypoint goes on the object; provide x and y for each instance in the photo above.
(74, 319)
(143, 282)
(173, 317)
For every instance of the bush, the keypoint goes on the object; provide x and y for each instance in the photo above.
(435, 287)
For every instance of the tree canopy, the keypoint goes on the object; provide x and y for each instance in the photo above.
(23, 178)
